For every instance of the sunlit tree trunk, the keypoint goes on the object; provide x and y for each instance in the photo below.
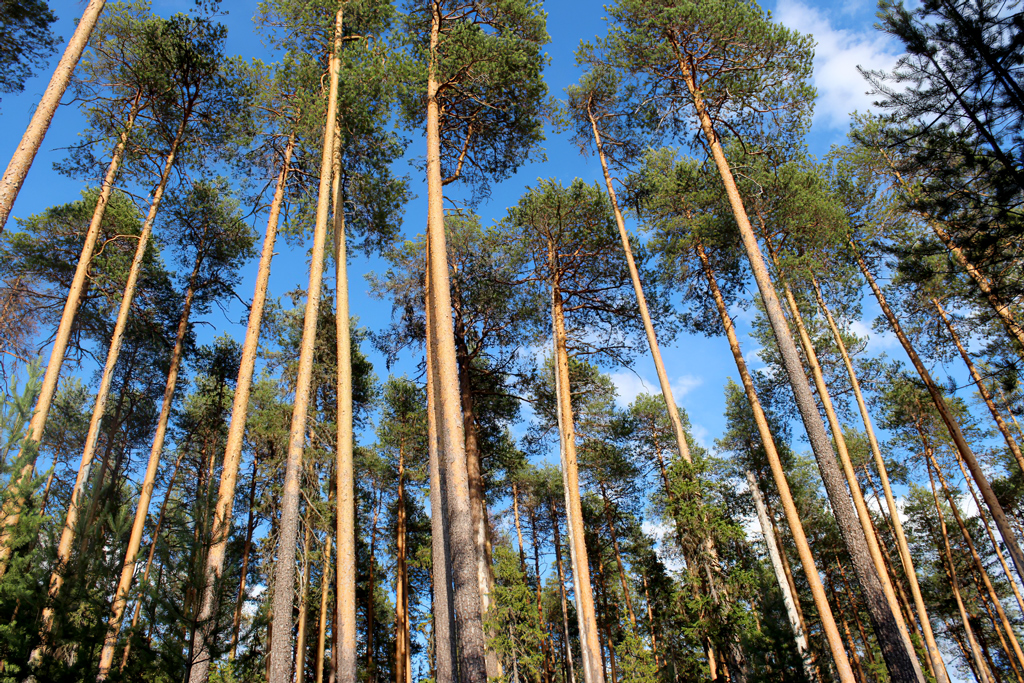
(23, 157)
(214, 569)
(466, 585)
(284, 581)
(938, 666)
(989, 496)
(149, 480)
(811, 358)
(401, 579)
(444, 606)
(589, 642)
(300, 638)
(570, 668)
(325, 591)
(780, 576)
(979, 663)
(796, 527)
(900, 659)
(250, 527)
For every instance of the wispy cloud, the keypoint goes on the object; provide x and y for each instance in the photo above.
(841, 88)
(629, 385)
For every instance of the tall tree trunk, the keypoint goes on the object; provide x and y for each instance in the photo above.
(300, 638)
(345, 494)
(284, 591)
(978, 565)
(992, 538)
(444, 604)
(609, 518)
(999, 631)
(149, 480)
(325, 590)
(938, 666)
(650, 620)
(867, 526)
(21, 162)
(474, 469)
(466, 593)
(590, 644)
(401, 579)
(979, 663)
(99, 407)
(570, 672)
(214, 569)
(951, 424)
(371, 596)
(154, 542)
(780, 576)
(1004, 429)
(250, 527)
(900, 660)
(796, 527)
(519, 528)
(78, 283)
(546, 643)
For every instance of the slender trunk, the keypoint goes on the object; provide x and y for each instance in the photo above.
(284, 591)
(444, 604)
(938, 666)
(149, 480)
(545, 643)
(650, 620)
(652, 341)
(986, 603)
(300, 639)
(618, 558)
(951, 424)
(1004, 429)
(866, 524)
(992, 538)
(519, 528)
(214, 568)
(466, 593)
(590, 644)
(99, 408)
(951, 573)
(21, 162)
(250, 527)
(780, 576)
(401, 579)
(603, 588)
(325, 590)
(78, 284)
(371, 596)
(828, 622)
(901, 660)
(978, 565)
(344, 466)
(868, 650)
(152, 553)
(571, 673)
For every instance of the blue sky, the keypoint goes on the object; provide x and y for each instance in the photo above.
(698, 366)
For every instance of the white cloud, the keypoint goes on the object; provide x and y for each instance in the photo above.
(838, 53)
(629, 385)
(876, 342)
(701, 435)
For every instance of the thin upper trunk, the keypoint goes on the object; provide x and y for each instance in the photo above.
(779, 476)
(986, 396)
(466, 593)
(590, 644)
(519, 528)
(214, 568)
(325, 591)
(21, 162)
(371, 597)
(995, 508)
(938, 666)
(780, 576)
(609, 517)
(284, 580)
(901, 660)
(149, 480)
